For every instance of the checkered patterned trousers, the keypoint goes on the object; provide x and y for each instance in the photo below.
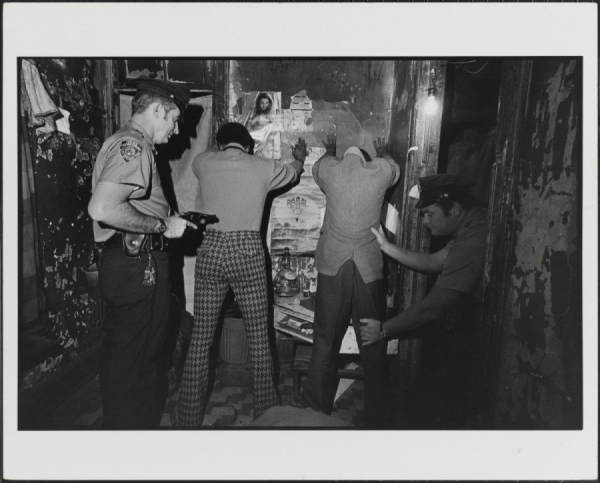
(225, 259)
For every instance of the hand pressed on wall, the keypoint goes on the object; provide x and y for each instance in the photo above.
(300, 150)
(380, 147)
(330, 144)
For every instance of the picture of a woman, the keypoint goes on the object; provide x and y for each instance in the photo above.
(262, 112)
(263, 126)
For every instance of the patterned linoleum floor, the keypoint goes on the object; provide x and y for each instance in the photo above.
(228, 406)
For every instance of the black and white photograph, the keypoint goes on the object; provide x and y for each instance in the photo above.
(263, 261)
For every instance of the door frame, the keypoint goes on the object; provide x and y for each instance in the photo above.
(412, 128)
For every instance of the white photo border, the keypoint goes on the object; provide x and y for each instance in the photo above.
(228, 30)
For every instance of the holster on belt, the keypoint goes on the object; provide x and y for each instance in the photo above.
(133, 243)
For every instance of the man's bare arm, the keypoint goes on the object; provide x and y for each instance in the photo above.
(110, 205)
(432, 307)
(421, 262)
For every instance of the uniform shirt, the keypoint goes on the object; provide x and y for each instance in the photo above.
(235, 184)
(354, 190)
(127, 157)
(463, 265)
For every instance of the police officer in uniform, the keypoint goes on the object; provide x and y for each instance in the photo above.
(448, 312)
(132, 226)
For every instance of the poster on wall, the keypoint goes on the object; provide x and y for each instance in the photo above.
(297, 216)
(296, 219)
(261, 114)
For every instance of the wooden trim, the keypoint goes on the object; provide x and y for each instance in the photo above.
(194, 87)
(220, 72)
(107, 97)
(425, 133)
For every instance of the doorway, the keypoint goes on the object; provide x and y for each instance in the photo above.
(450, 348)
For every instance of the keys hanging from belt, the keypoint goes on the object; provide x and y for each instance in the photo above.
(150, 271)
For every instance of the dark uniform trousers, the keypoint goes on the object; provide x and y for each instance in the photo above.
(447, 386)
(339, 297)
(133, 395)
(225, 259)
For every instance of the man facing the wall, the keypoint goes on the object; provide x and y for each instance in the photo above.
(350, 280)
(448, 210)
(132, 226)
(234, 185)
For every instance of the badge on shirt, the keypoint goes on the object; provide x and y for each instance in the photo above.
(130, 150)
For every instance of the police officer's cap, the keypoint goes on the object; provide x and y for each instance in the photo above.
(169, 90)
(443, 187)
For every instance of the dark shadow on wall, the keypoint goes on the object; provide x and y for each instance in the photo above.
(174, 150)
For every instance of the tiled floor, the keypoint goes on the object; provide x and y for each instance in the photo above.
(228, 406)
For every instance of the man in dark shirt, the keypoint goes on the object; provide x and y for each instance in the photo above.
(447, 207)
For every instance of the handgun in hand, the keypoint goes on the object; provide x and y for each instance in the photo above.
(200, 219)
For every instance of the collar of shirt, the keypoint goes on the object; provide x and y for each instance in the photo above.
(147, 138)
(234, 146)
(355, 151)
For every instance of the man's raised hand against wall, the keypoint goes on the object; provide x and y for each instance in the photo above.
(330, 144)
(300, 150)
(380, 147)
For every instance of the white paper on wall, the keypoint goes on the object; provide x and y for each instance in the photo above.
(391, 218)
(314, 153)
(63, 125)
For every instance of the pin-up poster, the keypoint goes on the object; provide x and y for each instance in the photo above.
(261, 114)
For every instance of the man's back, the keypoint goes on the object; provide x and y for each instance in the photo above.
(355, 191)
(234, 186)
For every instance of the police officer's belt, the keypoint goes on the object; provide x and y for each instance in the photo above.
(153, 242)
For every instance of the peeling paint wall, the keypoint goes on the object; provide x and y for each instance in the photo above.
(63, 165)
(541, 358)
(362, 88)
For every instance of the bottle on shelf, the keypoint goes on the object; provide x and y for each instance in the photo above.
(287, 283)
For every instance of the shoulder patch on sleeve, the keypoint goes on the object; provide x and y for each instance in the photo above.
(130, 150)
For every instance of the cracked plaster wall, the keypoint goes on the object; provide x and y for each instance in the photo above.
(356, 95)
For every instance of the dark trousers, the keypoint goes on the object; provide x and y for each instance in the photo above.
(237, 260)
(338, 298)
(133, 394)
(446, 386)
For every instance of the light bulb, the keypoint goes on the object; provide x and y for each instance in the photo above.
(431, 104)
